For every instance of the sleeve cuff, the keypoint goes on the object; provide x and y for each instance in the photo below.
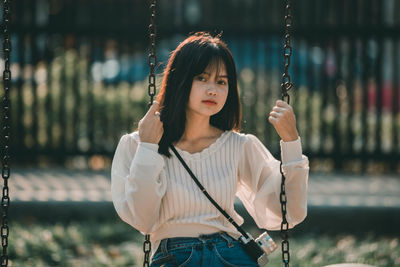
(291, 151)
(151, 146)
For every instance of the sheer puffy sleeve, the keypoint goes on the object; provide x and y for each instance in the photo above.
(260, 180)
(138, 182)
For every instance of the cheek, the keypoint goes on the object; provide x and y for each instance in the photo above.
(224, 95)
(194, 95)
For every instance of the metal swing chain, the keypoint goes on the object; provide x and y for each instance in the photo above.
(146, 250)
(152, 53)
(5, 201)
(152, 92)
(285, 86)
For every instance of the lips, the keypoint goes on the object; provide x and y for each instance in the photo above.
(209, 102)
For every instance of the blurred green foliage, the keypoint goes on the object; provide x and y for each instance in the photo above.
(114, 243)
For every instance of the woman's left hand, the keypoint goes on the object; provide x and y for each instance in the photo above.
(284, 121)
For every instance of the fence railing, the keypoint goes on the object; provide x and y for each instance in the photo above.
(79, 73)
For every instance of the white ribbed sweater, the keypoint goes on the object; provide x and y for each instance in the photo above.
(156, 195)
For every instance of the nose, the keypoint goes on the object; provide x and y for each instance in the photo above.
(211, 91)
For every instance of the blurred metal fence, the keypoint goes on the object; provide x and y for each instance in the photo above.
(79, 73)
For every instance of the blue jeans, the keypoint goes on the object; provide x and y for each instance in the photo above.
(213, 250)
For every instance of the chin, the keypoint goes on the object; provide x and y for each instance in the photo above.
(207, 112)
(212, 112)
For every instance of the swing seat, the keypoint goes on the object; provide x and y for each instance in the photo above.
(349, 265)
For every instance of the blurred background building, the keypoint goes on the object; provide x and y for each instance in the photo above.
(79, 75)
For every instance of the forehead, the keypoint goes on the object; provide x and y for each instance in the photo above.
(216, 65)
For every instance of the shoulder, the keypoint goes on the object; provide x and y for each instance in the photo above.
(243, 142)
(243, 138)
(249, 144)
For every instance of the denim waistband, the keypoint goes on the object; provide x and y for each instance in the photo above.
(182, 242)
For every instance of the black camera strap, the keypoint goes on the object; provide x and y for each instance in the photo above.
(208, 195)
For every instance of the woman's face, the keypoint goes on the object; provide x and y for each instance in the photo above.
(209, 91)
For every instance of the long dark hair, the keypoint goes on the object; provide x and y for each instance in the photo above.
(188, 60)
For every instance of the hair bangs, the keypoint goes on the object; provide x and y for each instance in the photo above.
(210, 58)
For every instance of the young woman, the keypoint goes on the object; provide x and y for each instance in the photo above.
(198, 111)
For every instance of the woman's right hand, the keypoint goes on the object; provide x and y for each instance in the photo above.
(150, 126)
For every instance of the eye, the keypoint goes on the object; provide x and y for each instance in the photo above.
(201, 78)
(222, 82)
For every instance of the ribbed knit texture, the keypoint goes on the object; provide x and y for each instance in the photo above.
(156, 195)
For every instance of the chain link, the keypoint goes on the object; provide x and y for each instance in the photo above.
(146, 250)
(152, 60)
(285, 86)
(5, 201)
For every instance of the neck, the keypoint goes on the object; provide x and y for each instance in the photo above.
(197, 127)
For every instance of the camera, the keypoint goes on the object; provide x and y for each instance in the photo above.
(258, 249)
(266, 243)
